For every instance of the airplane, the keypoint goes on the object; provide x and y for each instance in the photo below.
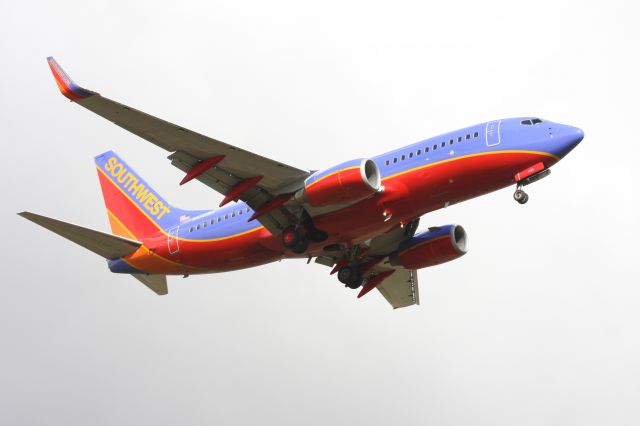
(359, 217)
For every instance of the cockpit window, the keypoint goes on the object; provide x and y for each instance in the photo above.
(531, 121)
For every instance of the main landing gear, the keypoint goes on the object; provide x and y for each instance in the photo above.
(296, 240)
(350, 276)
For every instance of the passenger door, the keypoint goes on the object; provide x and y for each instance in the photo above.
(172, 240)
(492, 133)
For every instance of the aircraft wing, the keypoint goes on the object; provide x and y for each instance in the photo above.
(223, 167)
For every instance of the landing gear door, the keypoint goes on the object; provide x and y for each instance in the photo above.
(172, 240)
(492, 133)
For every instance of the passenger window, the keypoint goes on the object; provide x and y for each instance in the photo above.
(226, 216)
(395, 160)
(468, 136)
(475, 135)
(419, 151)
(197, 227)
(240, 212)
(247, 209)
(435, 147)
(451, 142)
(459, 138)
(402, 158)
(191, 229)
(443, 144)
(233, 214)
(204, 225)
(386, 162)
(426, 149)
(411, 155)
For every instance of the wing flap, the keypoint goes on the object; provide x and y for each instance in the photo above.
(103, 244)
(401, 288)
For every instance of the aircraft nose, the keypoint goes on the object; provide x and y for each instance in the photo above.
(566, 139)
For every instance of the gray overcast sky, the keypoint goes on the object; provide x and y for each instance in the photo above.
(538, 324)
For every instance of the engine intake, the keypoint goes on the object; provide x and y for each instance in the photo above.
(432, 247)
(345, 183)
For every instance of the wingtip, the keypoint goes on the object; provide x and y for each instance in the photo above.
(65, 84)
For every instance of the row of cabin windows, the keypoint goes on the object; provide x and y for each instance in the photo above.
(218, 219)
(434, 147)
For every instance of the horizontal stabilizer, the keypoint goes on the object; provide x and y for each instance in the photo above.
(157, 283)
(106, 245)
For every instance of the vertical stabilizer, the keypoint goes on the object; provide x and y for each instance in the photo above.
(135, 209)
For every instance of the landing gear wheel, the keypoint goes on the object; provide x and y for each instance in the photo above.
(520, 196)
(350, 277)
(301, 247)
(291, 237)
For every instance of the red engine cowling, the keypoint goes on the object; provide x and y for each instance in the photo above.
(345, 183)
(433, 247)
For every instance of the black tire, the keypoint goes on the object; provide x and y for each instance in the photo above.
(519, 195)
(356, 282)
(350, 276)
(301, 247)
(525, 199)
(344, 275)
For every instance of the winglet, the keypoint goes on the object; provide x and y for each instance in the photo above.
(67, 87)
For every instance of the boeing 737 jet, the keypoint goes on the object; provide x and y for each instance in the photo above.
(358, 218)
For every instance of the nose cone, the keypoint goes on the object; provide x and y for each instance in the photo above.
(565, 139)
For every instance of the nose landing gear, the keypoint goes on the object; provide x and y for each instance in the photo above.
(520, 196)
(526, 177)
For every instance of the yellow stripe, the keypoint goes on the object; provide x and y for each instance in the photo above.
(331, 174)
(424, 166)
(257, 228)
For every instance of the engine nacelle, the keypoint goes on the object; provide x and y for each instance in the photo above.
(433, 247)
(345, 183)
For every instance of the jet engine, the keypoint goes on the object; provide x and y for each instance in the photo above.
(432, 247)
(345, 183)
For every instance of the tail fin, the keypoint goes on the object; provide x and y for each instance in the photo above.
(135, 209)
